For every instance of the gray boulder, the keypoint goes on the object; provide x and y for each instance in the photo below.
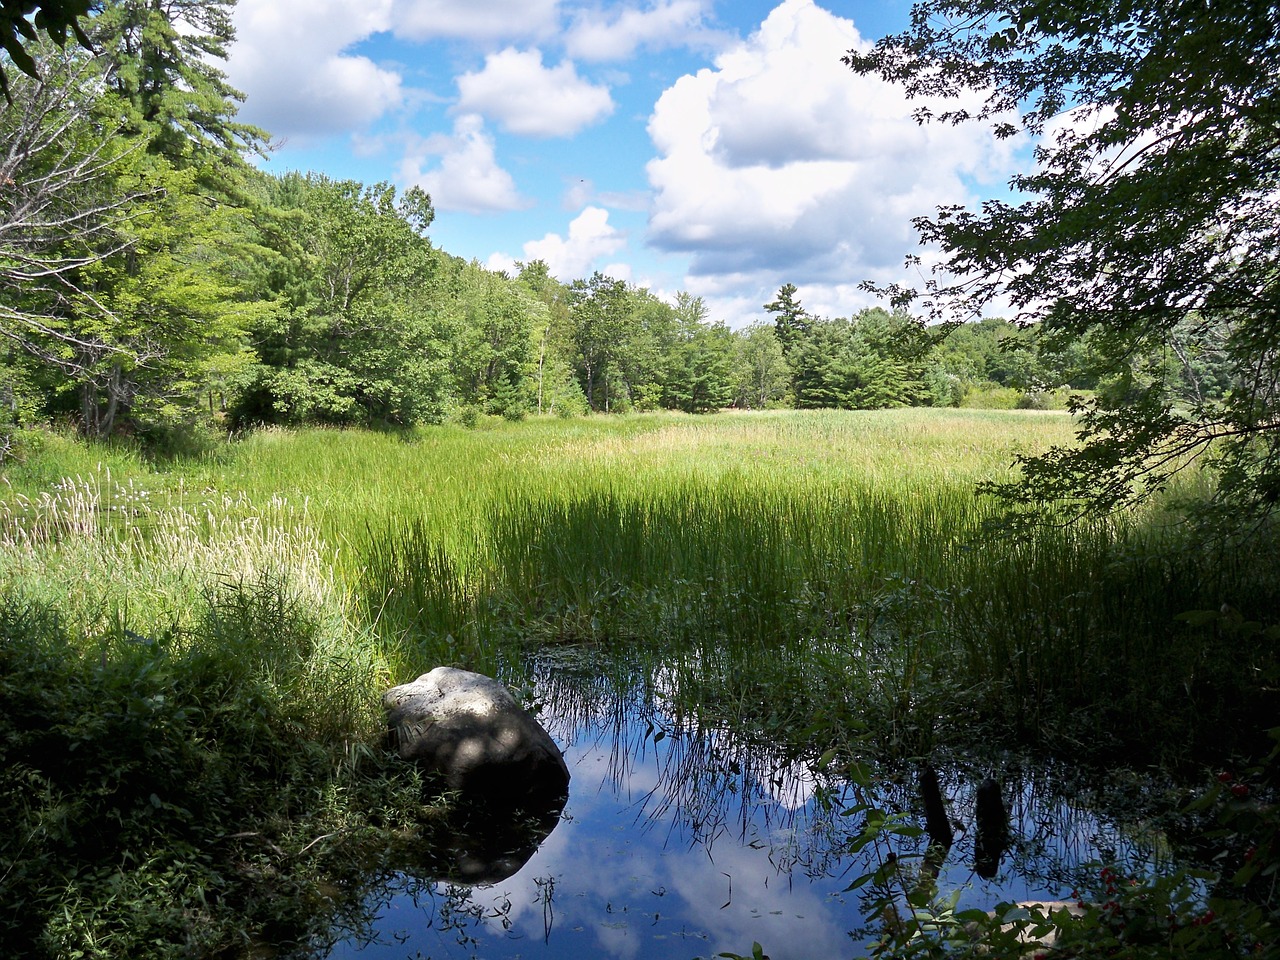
(470, 730)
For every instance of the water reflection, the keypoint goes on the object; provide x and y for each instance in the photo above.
(485, 844)
(683, 840)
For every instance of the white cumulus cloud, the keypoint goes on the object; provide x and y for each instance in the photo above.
(781, 165)
(288, 60)
(591, 237)
(617, 35)
(467, 176)
(480, 20)
(525, 97)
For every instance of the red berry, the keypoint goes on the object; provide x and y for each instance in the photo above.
(1225, 777)
(1240, 790)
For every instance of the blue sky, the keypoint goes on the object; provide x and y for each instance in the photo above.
(702, 145)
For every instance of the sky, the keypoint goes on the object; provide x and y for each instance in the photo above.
(709, 146)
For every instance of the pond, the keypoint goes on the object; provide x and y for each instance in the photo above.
(680, 839)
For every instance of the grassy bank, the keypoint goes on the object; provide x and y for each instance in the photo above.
(816, 578)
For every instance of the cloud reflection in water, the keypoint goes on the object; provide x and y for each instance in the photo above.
(681, 841)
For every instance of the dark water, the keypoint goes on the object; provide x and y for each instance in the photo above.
(681, 840)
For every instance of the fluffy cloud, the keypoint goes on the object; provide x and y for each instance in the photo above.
(288, 60)
(468, 177)
(517, 91)
(590, 238)
(596, 35)
(781, 165)
(491, 20)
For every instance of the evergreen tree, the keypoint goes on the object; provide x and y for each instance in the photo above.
(164, 56)
(700, 371)
(790, 322)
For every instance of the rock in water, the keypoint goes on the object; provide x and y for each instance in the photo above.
(469, 729)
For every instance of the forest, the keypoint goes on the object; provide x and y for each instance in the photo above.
(154, 280)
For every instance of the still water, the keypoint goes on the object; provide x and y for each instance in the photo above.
(680, 840)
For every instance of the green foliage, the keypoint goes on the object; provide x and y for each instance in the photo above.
(121, 263)
(873, 361)
(762, 377)
(699, 373)
(354, 335)
(555, 387)
(173, 314)
(1146, 228)
(491, 353)
(599, 311)
(161, 793)
(791, 323)
(163, 65)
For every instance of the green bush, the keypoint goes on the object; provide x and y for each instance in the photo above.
(991, 396)
(161, 794)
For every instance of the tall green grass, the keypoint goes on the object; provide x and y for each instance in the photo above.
(775, 556)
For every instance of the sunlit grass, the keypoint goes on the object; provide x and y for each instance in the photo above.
(784, 556)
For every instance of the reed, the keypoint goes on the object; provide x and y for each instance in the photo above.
(829, 561)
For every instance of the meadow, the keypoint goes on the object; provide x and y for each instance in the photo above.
(824, 580)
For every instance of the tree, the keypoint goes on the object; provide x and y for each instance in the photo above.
(652, 334)
(700, 367)
(60, 210)
(492, 350)
(23, 21)
(821, 363)
(165, 55)
(356, 333)
(874, 360)
(598, 308)
(1150, 213)
(555, 386)
(174, 311)
(114, 254)
(109, 273)
(761, 374)
(790, 322)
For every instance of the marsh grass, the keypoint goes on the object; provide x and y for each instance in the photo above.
(787, 557)
(829, 562)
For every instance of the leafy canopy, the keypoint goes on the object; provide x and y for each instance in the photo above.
(24, 21)
(1148, 223)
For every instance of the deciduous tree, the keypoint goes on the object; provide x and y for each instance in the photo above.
(23, 22)
(356, 333)
(1151, 211)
